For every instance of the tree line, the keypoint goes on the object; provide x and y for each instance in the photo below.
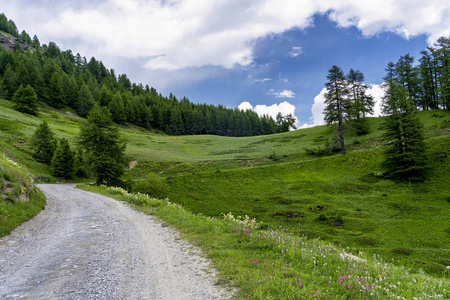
(408, 87)
(61, 79)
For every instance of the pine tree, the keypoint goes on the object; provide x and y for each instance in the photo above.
(55, 91)
(44, 143)
(80, 164)
(9, 82)
(405, 156)
(361, 104)
(101, 141)
(63, 160)
(85, 101)
(25, 100)
(337, 102)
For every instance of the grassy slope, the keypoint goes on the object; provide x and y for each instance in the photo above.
(19, 199)
(213, 175)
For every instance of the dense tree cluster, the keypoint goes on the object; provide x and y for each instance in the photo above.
(428, 82)
(62, 79)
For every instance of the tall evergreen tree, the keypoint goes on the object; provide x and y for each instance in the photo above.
(55, 91)
(405, 156)
(44, 143)
(337, 104)
(25, 100)
(361, 103)
(442, 53)
(101, 140)
(85, 101)
(9, 82)
(63, 160)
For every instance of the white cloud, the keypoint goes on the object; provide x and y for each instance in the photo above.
(245, 106)
(261, 80)
(317, 116)
(284, 108)
(405, 17)
(295, 51)
(377, 91)
(282, 94)
(178, 34)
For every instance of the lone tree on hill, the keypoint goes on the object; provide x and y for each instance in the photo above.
(405, 156)
(105, 149)
(63, 160)
(337, 102)
(25, 100)
(44, 143)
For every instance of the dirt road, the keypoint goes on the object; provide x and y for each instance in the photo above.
(87, 246)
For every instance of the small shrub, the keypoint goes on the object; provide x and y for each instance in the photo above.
(153, 185)
(339, 220)
(273, 156)
(402, 250)
(366, 240)
(322, 217)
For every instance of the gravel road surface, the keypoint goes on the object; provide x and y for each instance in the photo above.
(87, 246)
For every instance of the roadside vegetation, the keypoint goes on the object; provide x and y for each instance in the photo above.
(20, 199)
(266, 262)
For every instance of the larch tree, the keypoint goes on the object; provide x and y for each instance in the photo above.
(405, 155)
(337, 104)
(361, 103)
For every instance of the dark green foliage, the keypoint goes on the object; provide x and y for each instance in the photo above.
(337, 104)
(55, 91)
(85, 101)
(101, 140)
(285, 123)
(9, 82)
(8, 26)
(405, 155)
(63, 160)
(80, 167)
(402, 250)
(44, 143)
(152, 185)
(366, 240)
(25, 100)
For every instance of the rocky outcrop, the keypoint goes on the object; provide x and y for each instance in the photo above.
(9, 42)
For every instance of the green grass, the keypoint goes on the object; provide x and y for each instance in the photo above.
(308, 196)
(19, 199)
(344, 200)
(276, 263)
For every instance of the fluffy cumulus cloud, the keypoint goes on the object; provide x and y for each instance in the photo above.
(178, 34)
(317, 116)
(285, 108)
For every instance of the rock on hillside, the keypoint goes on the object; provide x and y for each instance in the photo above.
(8, 42)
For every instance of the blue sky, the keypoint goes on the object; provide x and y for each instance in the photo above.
(267, 55)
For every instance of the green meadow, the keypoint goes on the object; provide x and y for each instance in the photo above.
(282, 181)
